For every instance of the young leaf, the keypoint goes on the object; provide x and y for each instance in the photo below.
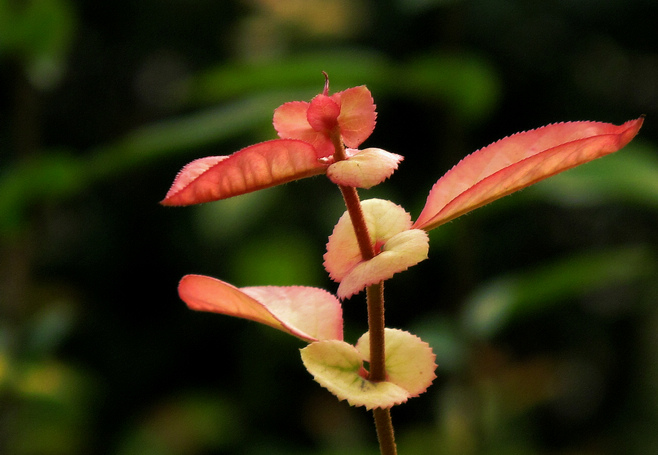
(322, 113)
(364, 168)
(357, 115)
(291, 122)
(519, 161)
(350, 113)
(252, 168)
(308, 313)
(338, 366)
(409, 360)
(384, 220)
(400, 252)
(398, 246)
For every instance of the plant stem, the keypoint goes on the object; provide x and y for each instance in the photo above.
(375, 302)
(376, 321)
(383, 421)
(385, 433)
(353, 205)
(375, 299)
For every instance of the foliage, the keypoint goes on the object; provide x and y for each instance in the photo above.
(374, 239)
(94, 124)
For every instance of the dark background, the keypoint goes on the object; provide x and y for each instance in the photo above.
(541, 308)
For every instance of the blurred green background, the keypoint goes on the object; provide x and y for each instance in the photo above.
(541, 308)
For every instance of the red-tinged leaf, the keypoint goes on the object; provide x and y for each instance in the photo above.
(402, 251)
(398, 247)
(364, 168)
(252, 168)
(308, 313)
(384, 220)
(311, 311)
(357, 115)
(518, 161)
(353, 109)
(322, 114)
(291, 122)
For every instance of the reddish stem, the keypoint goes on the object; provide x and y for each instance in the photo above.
(385, 433)
(375, 303)
(353, 205)
(375, 299)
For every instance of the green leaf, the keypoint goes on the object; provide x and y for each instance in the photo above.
(466, 84)
(183, 133)
(338, 366)
(301, 72)
(409, 360)
(40, 33)
(504, 300)
(49, 177)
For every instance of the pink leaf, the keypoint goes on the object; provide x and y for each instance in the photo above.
(308, 313)
(519, 161)
(364, 168)
(398, 247)
(291, 122)
(400, 252)
(384, 220)
(252, 168)
(323, 113)
(357, 115)
(352, 111)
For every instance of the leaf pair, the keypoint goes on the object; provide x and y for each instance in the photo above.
(397, 247)
(338, 367)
